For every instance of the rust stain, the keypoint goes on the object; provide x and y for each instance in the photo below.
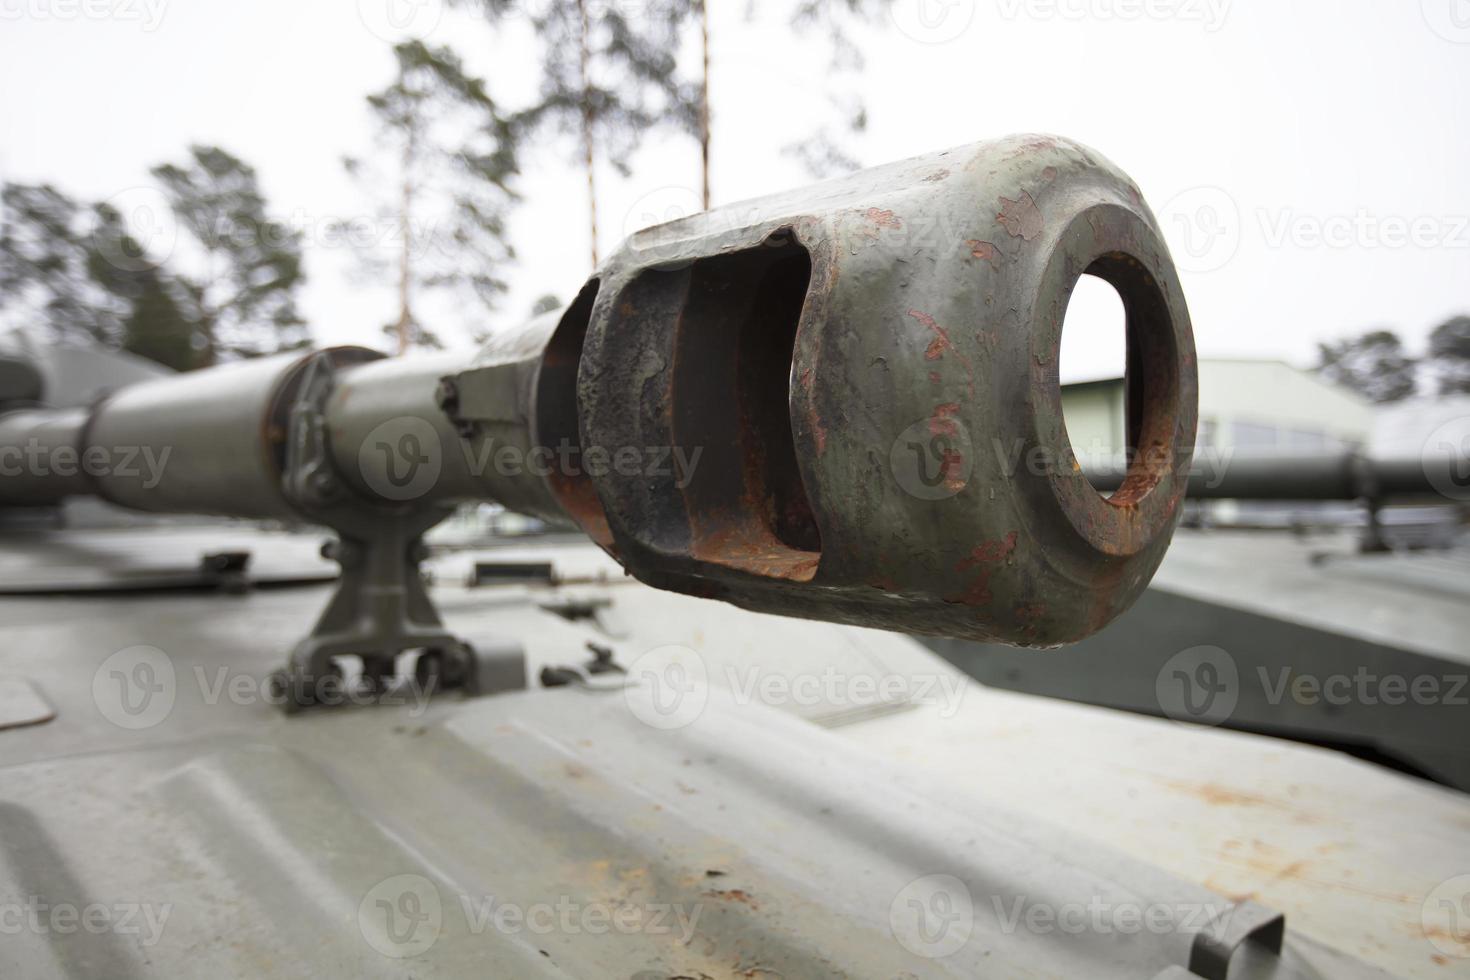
(977, 593)
(934, 378)
(1021, 218)
(942, 422)
(941, 341)
(1030, 612)
(1278, 869)
(951, 466)
(1216, 794)
(989, 552)
(1034, 144)
(980, 560)
(937, 176)
(983, 250)
(1049, 174)
(942, 344)
(813, 417)
(738, 545)
(733, 895)
(883, 218)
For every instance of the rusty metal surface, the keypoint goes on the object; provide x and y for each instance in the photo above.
(790, 832)
(870, 370)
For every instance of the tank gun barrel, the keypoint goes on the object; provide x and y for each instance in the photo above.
(787, 404)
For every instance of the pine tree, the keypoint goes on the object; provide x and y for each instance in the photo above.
(609, 76)
(455, 161)
(243, 302)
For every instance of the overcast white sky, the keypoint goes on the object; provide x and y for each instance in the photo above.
(1310, 161)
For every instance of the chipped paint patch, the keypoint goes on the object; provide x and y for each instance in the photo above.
(940, 343)
(989, 552)
(985, 251)
(1020, 218)
(883, 218)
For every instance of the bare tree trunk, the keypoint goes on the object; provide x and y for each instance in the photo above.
(209, 354)
(587, 124)
(405, 270)
(704, 109)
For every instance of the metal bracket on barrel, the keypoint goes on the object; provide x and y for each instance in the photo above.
(380, 608)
